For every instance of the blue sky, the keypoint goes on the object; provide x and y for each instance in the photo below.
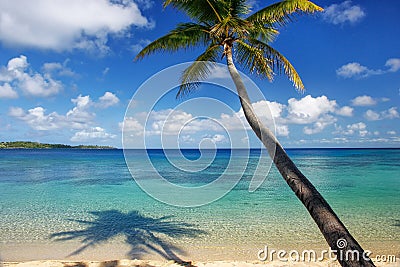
(67, 76)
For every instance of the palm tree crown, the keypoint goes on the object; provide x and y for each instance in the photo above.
(220, 25)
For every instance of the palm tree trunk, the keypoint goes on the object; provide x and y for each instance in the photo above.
(323, 215)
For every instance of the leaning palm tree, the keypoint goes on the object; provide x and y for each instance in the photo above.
(225, 29)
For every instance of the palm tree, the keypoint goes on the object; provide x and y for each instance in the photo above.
(225, 28)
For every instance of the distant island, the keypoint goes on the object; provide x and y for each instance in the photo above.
(36, 145)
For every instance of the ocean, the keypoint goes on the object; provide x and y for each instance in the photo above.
(84, 204)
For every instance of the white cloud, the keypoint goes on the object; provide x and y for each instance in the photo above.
(282, 130)
(107, 100)
(132, 126)
(391, 132)
(219, 72)
(38, 85)
(16, 112)
(363, 101)
(356, 70)
(218, 138)
(67, 24)
(78, 118)
(393, 64)
(345, 111)
(80, 114)
(169, 122)
(309, 109)
(372, 115)
(17, 64)
(18, 75)
(275, 108)
(268, 112)
(94, 133)
(391, 113)
(351, 69)
(59, 69)
(37, 119)
(342, 13)
(360, 128)
(320, 125)
(6, 91)
(187, 139)
(316, 111)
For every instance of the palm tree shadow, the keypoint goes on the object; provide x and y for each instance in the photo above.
(144, 234)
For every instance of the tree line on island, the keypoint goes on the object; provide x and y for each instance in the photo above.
(37, 145)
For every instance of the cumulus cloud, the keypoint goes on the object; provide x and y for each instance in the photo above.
(107, 100)
(314, 113)
(391, 113)
(38, 120)
(216, 138)
(38, 85)
(65, 25)
(131, 125)
(80, 114)
(218, 72)
(94, 133)
(363, 101)
(342, 13)
(187, 139)
(356, 70)
(80, 117)
(18, 75)
(345, 111)
(6, 91)
(56, 68)
(372, 115)
(309, 109)
(268, 112)
(317, 111)
(320, 125)
(360, 128)
(393, 64)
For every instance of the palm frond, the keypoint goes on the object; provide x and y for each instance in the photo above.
(282, 12)
(279, 63)
(252, 58)
(185, 35)
(262, 32)
(239, 8)
(235, 27)
(199, 70)
(201, 10)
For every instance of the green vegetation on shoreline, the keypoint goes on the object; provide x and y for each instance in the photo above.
(36, 145)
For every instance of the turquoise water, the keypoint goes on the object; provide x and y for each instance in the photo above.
(85, 204)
